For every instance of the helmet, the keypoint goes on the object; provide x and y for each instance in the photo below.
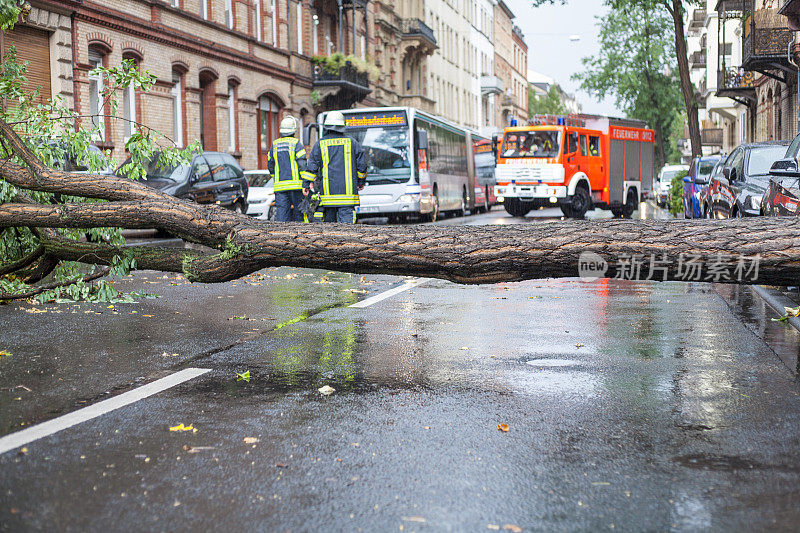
(288, 126)
(334, 121)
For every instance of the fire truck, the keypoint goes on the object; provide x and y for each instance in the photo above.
(576, 162)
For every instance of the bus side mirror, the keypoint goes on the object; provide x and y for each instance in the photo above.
(494, 146)
(306, 137)
(422, 140)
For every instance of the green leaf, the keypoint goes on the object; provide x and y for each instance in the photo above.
(244, 376)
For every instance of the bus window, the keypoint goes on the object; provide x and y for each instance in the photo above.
(594, 146)
(583, 145)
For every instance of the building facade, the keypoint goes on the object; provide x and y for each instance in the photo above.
(227, 71)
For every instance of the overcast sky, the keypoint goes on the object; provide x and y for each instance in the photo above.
(547, 30)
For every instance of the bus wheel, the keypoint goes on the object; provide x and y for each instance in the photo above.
(580, 202)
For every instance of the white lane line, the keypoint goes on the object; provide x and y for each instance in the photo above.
(45, 429)
(408, 284)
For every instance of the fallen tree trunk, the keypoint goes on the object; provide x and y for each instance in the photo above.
(763, 250)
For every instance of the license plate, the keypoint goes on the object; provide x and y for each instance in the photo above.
(366, 209)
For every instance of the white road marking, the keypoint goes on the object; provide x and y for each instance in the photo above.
(45, 429)
(408, 284)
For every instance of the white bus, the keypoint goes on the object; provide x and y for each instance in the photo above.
(418, 163)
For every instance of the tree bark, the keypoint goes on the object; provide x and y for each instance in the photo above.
(659, 250)
(692, 118)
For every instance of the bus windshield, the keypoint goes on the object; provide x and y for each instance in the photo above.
(387, 151)
(531, 144)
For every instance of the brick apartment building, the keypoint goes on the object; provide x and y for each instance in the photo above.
(226, 71)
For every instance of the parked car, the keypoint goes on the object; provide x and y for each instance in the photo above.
(663, 182)
(261, 199)
(737, 191)
(210, 178)
(62, 160)
(700, 172)
(783, 194)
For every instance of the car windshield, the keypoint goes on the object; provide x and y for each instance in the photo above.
(762, 157)
(258, 179)
(667, 175)
(705, 169)
(155, 171)
(531, 144)
(387, 151)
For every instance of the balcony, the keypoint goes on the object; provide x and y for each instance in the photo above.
(342, 89)
(698, 60)
(711, 137)
(491, 85)
(418, 101)
(738, 84)
(766, 41)
(420, 34)
(698, 20)
(507, 102)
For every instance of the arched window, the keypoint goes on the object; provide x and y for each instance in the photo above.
(208, 110)
(97, 58)
(129, 108)
(268, 112)
(178, 109)
(233, 126)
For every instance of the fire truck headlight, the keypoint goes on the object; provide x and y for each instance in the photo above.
(553, 200)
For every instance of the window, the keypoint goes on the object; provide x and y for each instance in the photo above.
(594, 146)
(274, 36)
(177, 108)
(572, 143)
(584, 148)
(268, 112)
(231, 118)
(299, 28)
(96, 96)
(204, 8)
(229, 13)
(315, 34)
(363, 48)
(259, 35)
(202, 170)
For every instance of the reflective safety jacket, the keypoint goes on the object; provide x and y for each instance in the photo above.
(286, 161)
(337, 166)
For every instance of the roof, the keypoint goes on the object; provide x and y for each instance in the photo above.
(506, 9)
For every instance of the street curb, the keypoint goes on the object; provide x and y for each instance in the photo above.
(777, 302)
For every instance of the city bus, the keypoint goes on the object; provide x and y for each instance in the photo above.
(419, 165)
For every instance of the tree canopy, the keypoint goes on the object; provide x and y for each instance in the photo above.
(636, 66)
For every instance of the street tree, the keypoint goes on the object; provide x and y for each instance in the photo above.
(677, 11)
(547, 104)
(635, 65)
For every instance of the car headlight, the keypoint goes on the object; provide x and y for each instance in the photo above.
(408, 198)
(755, 202)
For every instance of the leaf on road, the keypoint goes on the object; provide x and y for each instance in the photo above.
(465, 347)
(494, 527)
(327, 390)
(250, 440)
(512, 528)
(792, 311)
(243, 317)
(503, 427)
(181, 427)
(4, 353)
(197, 449)
(165, 354)
(418, 519)
(244, 376)
(579, 345)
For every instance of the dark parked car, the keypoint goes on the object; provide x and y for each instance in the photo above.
(783, 195)
(700, 172)
(738, 189)
(211, 178)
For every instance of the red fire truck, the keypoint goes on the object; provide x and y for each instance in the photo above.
(576, 162)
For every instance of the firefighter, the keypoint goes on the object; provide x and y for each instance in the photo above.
(337, 167)
(286, 161)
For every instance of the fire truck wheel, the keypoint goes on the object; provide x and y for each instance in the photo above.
(516, 208)
(580, 202)
(630, 204)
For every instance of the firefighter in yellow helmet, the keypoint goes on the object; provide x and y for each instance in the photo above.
(337, 166)
(286, 162)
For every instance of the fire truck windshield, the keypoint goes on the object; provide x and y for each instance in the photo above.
(531, 144)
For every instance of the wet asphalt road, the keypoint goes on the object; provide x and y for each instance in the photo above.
(629, 406)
